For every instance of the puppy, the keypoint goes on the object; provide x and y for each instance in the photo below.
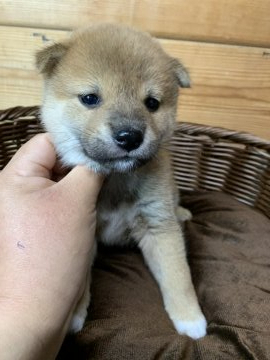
(110, 97)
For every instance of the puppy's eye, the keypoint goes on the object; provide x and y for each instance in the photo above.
(152, 104)
(90, 100)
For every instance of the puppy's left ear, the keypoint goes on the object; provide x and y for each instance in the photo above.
(181, 74)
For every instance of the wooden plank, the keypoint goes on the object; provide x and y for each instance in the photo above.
(225, 21)
(231, 84)
(19, 45)
(64, 14)
(19, 87)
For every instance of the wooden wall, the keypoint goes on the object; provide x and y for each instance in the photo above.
(224, 43)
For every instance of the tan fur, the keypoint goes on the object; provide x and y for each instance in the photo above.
(138, 200)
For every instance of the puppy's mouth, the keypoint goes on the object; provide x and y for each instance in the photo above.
(123, 163)
(119, 164)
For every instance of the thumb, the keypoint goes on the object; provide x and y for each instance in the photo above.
(82, 181)
(36, 158)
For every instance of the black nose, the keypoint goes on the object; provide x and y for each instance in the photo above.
(128, 139)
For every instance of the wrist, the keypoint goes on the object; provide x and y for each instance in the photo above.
(25, 336)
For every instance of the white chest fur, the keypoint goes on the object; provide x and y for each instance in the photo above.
(116, 224)
(118, 208)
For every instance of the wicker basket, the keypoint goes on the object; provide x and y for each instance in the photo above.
(203, 157)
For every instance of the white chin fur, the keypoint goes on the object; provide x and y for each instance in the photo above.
(78, 158)
(194, 329)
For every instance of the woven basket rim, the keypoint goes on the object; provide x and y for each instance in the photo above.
(221, 133)
(188, 128)
(203, 157)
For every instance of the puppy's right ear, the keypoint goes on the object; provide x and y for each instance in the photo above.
(47, 59)
(181, 74)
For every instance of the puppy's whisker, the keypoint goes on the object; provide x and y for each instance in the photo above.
(69, 143)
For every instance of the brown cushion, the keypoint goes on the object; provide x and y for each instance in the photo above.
(228, 247)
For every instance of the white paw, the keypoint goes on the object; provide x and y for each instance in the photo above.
(194, 329)
(76, 323)
(183, 214)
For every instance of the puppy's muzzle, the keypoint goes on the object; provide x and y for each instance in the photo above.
(128, 139)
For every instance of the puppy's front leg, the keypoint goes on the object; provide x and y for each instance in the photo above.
(164, 252)
(80, 313)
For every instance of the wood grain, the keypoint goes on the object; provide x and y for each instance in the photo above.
(231, 84)
(245, 22)
(226, 21)
(64, 14)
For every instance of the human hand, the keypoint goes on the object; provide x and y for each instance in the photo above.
(46, 238)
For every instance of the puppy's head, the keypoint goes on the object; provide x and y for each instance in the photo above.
(110, 97)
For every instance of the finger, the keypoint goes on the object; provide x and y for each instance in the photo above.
(83, 182)
(36, 158)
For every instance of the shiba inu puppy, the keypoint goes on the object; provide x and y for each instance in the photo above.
(110, 97)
